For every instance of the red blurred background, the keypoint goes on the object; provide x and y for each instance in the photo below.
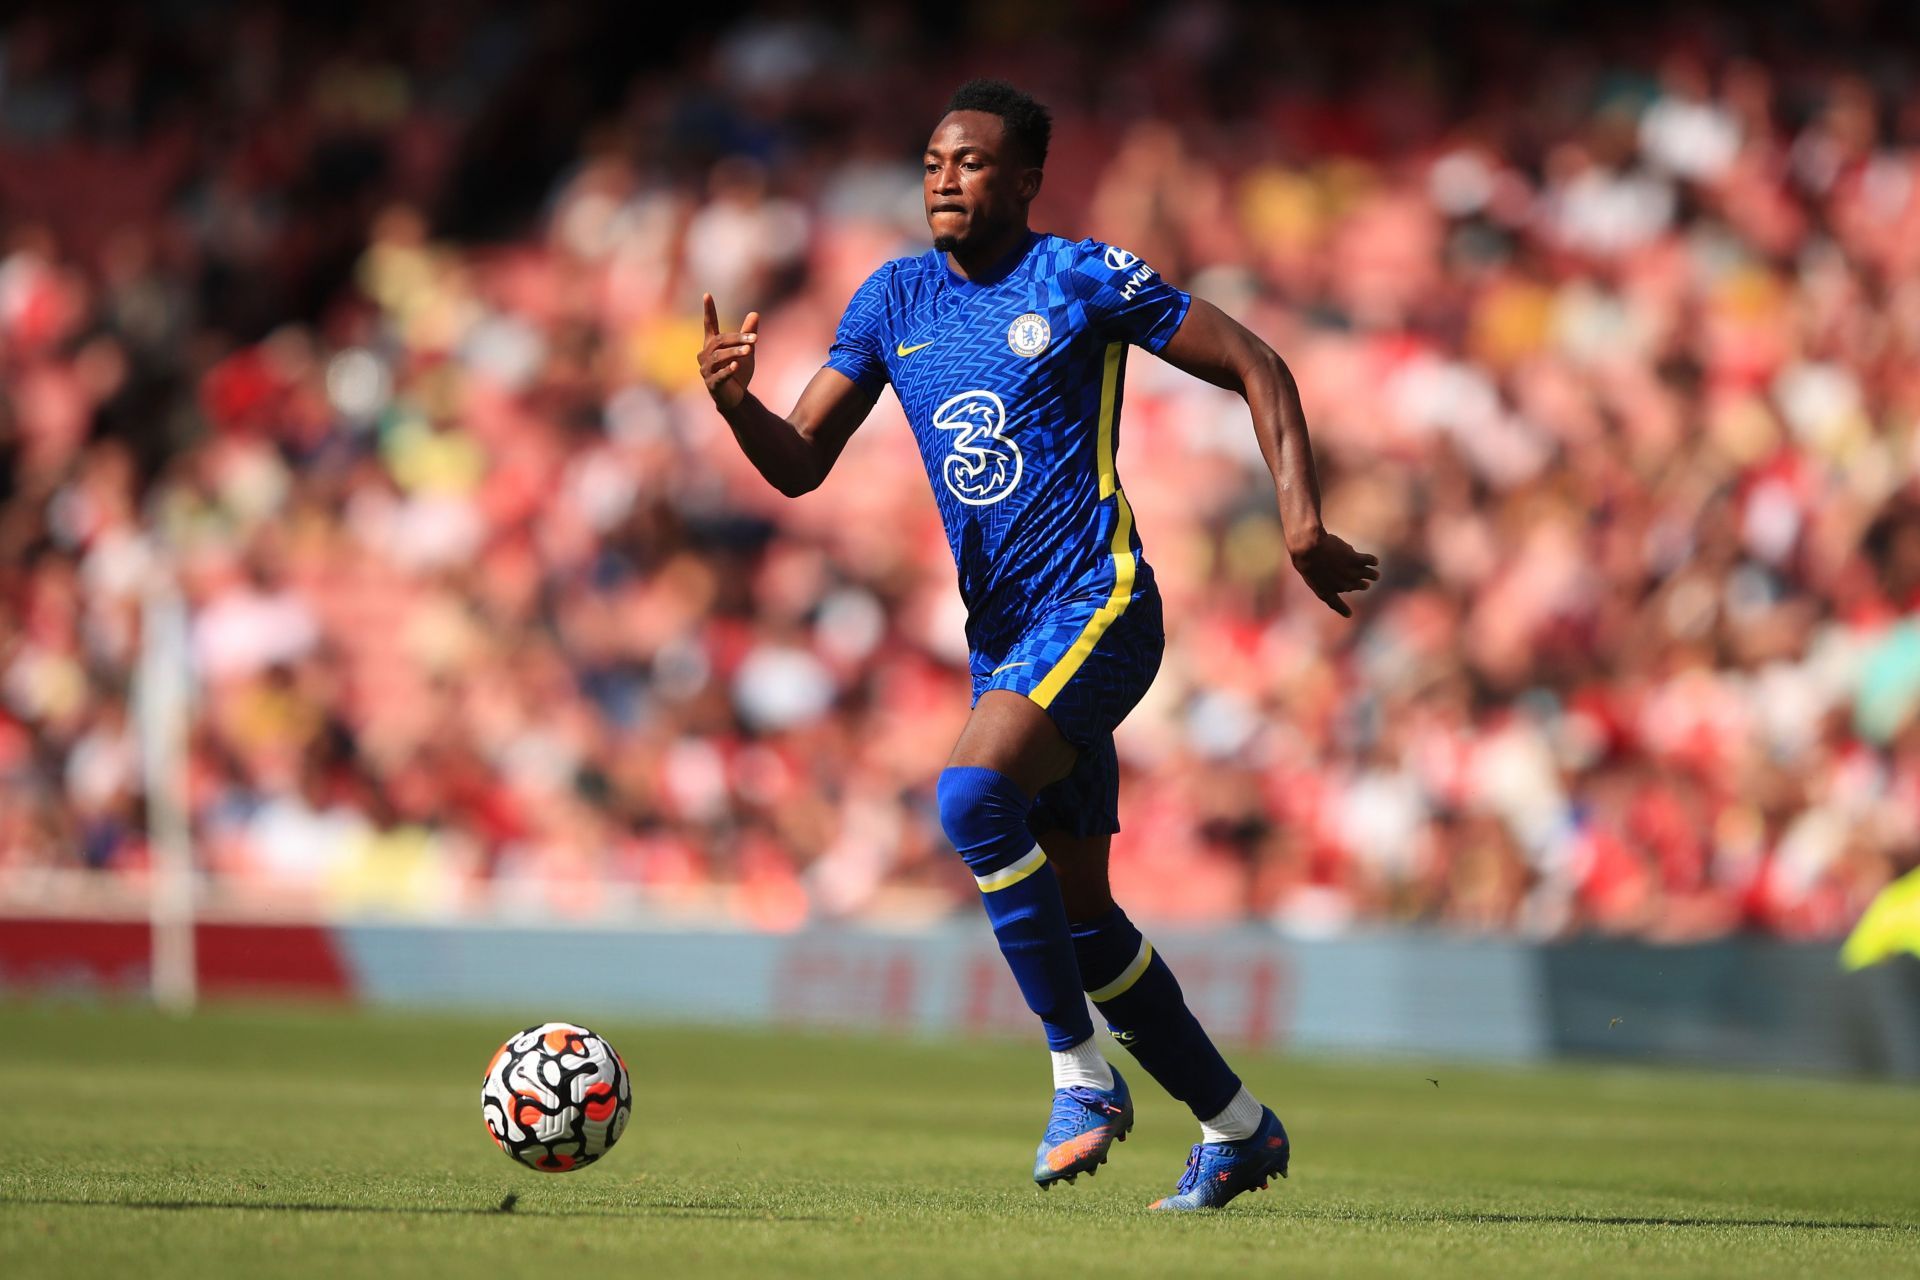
(376, 328)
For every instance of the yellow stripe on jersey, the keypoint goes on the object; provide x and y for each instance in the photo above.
(1012, 874)
(1124, 566)
(1128, 976)
(1109, 394)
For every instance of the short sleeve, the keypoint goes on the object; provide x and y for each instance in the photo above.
(859, 345)
(1127, 298)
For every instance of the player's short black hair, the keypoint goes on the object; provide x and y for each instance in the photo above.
(1029, 124)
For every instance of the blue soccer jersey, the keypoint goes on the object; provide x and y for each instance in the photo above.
(1012, 384)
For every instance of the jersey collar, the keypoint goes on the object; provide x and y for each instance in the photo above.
(993, 276)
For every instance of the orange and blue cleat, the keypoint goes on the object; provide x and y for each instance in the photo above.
(1219, 1171)
(1085, 1124)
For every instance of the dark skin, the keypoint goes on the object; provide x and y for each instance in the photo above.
(978, 188)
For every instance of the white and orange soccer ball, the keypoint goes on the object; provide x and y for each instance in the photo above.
(556, 1097)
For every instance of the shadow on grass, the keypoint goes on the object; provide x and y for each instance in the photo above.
(723, 1213)
(265, 1206)
(1465, 1218)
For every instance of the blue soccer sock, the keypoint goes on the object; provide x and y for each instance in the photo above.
(985, 815)
(1137, 994)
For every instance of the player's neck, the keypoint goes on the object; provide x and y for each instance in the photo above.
(983, 261)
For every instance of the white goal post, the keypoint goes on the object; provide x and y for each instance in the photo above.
(163, 698)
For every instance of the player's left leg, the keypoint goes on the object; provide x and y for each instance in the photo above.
(1242, 1144)
(1008, 752)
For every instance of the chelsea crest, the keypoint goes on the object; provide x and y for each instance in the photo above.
(1029, 335)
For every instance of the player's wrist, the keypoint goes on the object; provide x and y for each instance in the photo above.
(1303, 535)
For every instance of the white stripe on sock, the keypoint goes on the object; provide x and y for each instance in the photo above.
(1128, 976)
(1013, 873)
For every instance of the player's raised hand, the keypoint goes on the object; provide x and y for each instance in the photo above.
(1331, 567)
(726, 359)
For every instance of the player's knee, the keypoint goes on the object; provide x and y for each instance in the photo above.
(1084, 890)
(1080, 864)
(983, 813)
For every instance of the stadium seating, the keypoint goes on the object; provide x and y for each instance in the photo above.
(1608, 346)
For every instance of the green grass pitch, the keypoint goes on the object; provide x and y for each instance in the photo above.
(268, 1141)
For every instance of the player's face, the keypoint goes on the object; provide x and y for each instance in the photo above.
(975, 184)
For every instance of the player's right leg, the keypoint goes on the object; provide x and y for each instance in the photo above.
(1242, 1144)
(1009, 751)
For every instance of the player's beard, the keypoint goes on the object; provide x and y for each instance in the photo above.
(946, 244)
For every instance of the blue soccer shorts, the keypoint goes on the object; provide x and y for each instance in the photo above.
(1085, 662)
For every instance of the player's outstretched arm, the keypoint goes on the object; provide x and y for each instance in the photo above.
(1213, 346)
(794, 453)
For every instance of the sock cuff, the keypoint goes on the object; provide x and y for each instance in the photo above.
(1113, 922)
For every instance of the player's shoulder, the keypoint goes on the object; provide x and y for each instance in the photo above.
(1088, 248)
(1099, 263)
(887, 274)
(898, 278)
(895, 288)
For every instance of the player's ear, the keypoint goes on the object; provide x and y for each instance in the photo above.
(1029, 186)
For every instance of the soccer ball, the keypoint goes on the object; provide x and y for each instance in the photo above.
(556, 1097)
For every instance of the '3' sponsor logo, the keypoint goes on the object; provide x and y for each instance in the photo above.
(984, 465)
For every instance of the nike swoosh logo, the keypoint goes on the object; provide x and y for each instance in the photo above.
(902, 349)
(1006, 666)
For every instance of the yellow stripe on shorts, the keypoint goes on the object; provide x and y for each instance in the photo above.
(1124, 561)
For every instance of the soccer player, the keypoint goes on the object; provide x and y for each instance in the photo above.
(1007, 349)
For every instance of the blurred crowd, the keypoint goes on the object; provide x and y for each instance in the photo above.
(375, 333)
